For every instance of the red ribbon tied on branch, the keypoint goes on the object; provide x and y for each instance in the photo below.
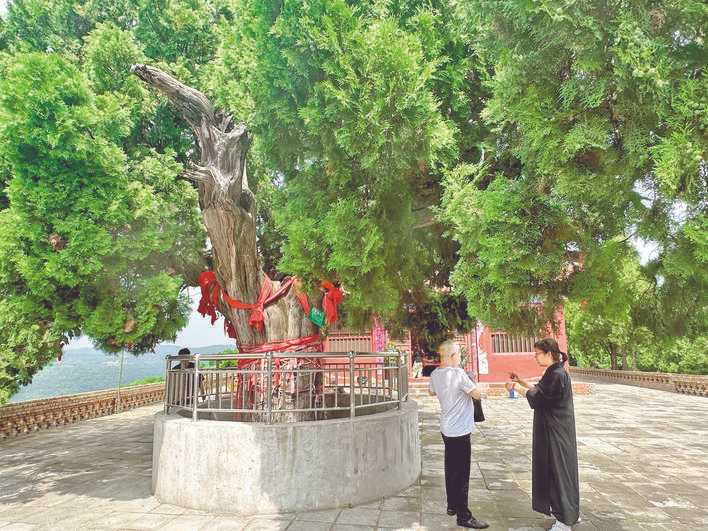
(256, 319)
(332, 298)
(211, 292)
(210, 295)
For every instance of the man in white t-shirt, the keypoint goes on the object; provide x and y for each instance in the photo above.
(455, 392)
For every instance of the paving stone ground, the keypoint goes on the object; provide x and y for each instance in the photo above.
(643, 465)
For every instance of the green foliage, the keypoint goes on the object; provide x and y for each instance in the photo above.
(546, 137)
(595, 339)
(349, 128)
(683, 355)
(511, 241)
(597, 113)
(435, 317)
(94, 240)
(99, 237)
(110, 52)
(632, 332)
(44, 26)
(147, 380)
(177, 31)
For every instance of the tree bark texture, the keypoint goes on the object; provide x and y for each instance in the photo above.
(229, 210)
(611, 350)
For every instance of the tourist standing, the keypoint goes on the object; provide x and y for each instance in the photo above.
(417, 364)
(555, 489)
(455, 392)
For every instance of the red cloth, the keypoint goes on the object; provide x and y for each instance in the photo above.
(333, 297)
(210, 297)
(304, 302)
(211, 291)
(256, 318)
(284, 345)
(288, 345)
(229, 329)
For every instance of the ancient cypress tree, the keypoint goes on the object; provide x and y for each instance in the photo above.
(229, 211)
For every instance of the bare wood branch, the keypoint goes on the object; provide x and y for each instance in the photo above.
(197, 174)
(423, 213)
(194, 105)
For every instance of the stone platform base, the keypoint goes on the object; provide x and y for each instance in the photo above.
(251, 468)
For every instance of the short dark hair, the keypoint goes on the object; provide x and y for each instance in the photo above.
(184, 352)
(550, 346)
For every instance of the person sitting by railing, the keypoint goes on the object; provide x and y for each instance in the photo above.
(185, 365)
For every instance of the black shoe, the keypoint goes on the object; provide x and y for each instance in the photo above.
(451, 512)
(472, 523)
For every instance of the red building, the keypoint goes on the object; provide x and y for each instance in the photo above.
(489, 354)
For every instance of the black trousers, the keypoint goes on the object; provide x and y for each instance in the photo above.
(458, 455)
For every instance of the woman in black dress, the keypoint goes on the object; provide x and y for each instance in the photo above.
(555, 489)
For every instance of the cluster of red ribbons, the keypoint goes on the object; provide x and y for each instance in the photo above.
(285, 345)
(212, 292)
(332, 298)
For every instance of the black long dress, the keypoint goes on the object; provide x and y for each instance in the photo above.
(555, 488)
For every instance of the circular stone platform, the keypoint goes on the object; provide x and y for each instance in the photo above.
(252, 468)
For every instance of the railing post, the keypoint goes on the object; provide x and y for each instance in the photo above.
(167, 385)
(195, 388)
(400, 382)
(269, 389)
(119, 405)
(352, 404)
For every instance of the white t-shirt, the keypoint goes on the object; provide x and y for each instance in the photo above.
(451, 385)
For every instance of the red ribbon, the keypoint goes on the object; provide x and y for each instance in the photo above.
(304, 302)
(333, 297)
(229, 329)
(210, 296)
(284, 345)
(256, 318)
(287, 345)
(211, 291)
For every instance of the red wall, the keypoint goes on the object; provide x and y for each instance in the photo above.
(475, 342)
(522, 363)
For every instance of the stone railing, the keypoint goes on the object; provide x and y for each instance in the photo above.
(687, 384)
(33, 415)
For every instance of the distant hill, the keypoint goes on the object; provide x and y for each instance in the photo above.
(89, 369)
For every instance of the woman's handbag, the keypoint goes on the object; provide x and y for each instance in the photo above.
(478, 413)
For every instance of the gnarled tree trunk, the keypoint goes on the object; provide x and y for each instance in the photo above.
(229, 210)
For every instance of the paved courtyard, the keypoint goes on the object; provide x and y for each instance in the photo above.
(643, 465)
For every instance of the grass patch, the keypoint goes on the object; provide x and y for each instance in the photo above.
(148, 380)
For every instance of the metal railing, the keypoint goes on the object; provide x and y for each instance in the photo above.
(285, 386)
